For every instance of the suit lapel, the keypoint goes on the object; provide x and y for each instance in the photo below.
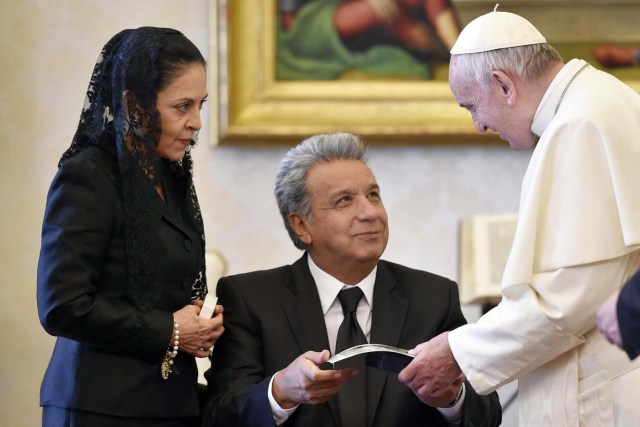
(389, 314)
(304, 310)
(305, 316)
(170, 207)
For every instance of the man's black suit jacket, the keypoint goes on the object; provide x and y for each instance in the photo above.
(273, 316)
(108, 352)
(628, 310)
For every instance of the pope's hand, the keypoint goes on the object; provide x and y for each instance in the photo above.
(433, 370)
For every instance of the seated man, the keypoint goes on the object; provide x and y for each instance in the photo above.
(280, 323)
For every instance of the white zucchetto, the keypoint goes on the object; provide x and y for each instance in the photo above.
(496, 30)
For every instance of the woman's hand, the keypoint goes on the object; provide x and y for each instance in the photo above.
(197, 334)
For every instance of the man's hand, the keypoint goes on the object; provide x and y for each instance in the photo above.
(303, 381)
(433, 371)
(607, 320)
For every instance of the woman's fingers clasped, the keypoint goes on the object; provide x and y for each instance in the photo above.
(197, 334)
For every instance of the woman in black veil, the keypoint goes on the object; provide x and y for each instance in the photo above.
(121, 274)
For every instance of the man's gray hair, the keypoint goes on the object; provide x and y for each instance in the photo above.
(526, 62)
(291, 190)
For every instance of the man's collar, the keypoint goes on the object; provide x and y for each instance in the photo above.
(329, 287)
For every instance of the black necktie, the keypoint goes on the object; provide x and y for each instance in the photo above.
(353, 396)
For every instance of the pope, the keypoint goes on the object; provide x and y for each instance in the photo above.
(577, 236)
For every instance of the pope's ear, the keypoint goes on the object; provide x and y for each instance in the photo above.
(506, 85)
(299, 226)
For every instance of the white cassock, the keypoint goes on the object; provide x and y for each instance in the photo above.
(576, 242)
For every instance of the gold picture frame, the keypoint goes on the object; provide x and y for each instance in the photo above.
(251, 107)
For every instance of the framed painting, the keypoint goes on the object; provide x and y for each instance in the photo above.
(278, 73)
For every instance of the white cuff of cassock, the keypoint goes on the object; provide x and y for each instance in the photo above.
(453, 415)
(280, 415)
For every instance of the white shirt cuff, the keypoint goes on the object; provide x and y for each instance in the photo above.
(453, 415)
(280, 415)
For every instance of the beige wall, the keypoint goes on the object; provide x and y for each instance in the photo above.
(47, 51)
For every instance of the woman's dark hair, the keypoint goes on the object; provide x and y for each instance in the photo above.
(177, 53)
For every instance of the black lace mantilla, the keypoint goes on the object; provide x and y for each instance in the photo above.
(120, 116)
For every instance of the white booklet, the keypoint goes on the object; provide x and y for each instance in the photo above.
(379, 356)
(208, 306)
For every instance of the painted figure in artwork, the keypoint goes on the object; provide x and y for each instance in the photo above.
(324, 39)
